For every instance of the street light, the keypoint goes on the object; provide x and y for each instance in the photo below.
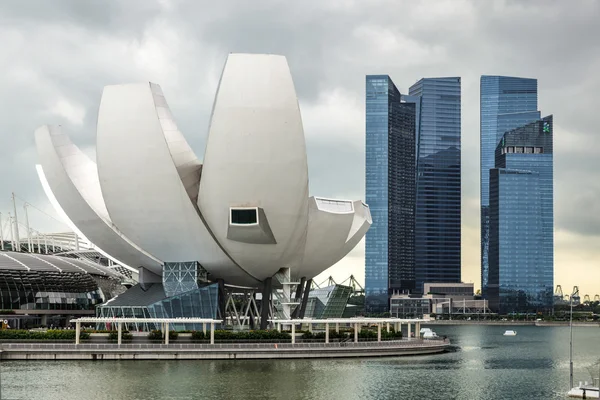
(575, 293)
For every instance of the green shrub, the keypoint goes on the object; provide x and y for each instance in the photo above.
(198, 335)
(333, 335)
(258, 335)
(21, 334)
(125, 336)
(158, 335)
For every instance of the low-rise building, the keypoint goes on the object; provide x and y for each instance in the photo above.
(440, 299)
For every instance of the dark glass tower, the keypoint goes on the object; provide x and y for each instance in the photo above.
(438, 184)
(521, 254)
(505, 103)
(390, 187)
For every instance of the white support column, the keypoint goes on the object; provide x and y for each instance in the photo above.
(17, 242)
(278, 327)
(29, 242)
(293, 333)
(38, 244)
(310, 327)
(408, 331)
(326, 332)
(356, 332)
(204, 328)
(12, 233)
(46, 244)
(166, 333)
(77, 331)
(387, 327)
(337, 327)
(379, 332)
(1, 232)
(418, 329)
(119, 332)
(212, 333)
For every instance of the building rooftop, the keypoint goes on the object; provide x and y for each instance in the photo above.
(12, 260)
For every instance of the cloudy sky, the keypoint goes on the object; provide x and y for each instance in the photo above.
(57, 56)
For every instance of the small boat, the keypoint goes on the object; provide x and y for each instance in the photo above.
(430, 335)
(423, 330)
(510, 333)
(585, 391)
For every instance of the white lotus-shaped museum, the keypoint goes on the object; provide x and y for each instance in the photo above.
(242, 214)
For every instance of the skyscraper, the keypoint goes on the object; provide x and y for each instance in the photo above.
(438, 181)
(390, 187)
(521, 254)
(505, 103)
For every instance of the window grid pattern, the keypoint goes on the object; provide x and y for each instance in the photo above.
(506, 103)
(201, 302)
(48, 290)
(180, 277)
(522, 222)
(438, 186)
(328, 302)
(390, 191)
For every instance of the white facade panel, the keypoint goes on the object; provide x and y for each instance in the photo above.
(70, 179)
(243, 215)
(327, 233)
(256, 157)
(142, 188)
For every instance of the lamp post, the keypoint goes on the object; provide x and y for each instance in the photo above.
(575, 292)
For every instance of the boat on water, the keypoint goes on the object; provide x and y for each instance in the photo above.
(510, 333)
(427, 333)
(584, 391)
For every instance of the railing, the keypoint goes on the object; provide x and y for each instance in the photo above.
(227, 346)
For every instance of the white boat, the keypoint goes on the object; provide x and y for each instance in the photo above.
(510, 333)
(430, 335)
(584, 391)
(423, 330)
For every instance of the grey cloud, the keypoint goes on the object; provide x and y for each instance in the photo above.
(71, 49)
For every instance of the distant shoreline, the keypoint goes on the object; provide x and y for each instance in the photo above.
(513, 323)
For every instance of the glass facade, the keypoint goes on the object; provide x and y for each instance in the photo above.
(328, 302)
(506, 103)
(390, 191)
(180, 277)
(438, 181)
(33, 281)
(48, 290)
(201, 302)
(521, 253)
(406, 307)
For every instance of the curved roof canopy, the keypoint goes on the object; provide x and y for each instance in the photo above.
(11, 260)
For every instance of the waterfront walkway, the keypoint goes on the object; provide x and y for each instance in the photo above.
(218, 351)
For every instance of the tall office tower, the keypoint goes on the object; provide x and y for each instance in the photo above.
(522, 220)
(437, 223)
(505, 103)
(390, 186)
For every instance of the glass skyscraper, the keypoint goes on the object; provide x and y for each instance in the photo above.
(438, 181)
(505, 103)
(521, 246)
(390, 186)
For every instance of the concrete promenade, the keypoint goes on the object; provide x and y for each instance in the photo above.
(219, 351)
(592, 324)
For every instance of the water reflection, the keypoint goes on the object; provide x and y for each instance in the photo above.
(532, 365)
